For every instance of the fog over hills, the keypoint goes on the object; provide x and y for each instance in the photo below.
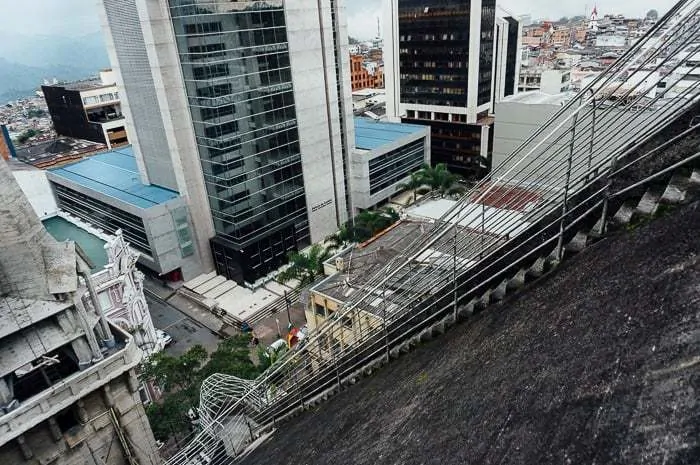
(25, 61)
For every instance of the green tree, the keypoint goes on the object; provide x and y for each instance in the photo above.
(26, 135)
(440, 179)
(415, 182)
(180, 379)
(305, 267)
(364, 226)
(652, 15)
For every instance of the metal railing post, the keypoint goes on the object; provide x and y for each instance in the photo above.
(592, 145)
(565, 203)
(384, 327)
(454, 269)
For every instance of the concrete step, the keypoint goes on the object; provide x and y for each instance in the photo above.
(625, 213)
(695, 176)
(199, 280)
(578, 243)
(209, 285)
(649, 202)
(676, 190)
(220, 290)
(597, 231)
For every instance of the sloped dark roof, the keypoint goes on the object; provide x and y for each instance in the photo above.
(598, 363)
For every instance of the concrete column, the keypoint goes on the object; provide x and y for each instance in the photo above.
(106, 330)
(5, 392)
(82, 351)
(82, 413)
(108, 396)
(89, 334)
(24, 447)
(133, 381)
(55, 430)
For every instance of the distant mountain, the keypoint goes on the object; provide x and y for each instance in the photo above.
(25, 61)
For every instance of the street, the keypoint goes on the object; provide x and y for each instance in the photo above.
(184, 331)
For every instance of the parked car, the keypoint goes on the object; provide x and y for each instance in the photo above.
(164, 339)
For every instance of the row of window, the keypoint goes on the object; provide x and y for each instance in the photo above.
(104, 216)
(108, 97)
(393, 167)
(202, 73)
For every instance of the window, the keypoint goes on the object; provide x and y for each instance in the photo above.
(202, 28)
(215, 91)
(207, 51)
(211, 113)
(105, 301)
(211, 71)
(320, 310)
(221, 129)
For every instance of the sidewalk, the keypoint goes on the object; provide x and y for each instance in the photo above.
(266, 330)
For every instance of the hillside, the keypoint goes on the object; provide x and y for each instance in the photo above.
(25, 61)
(598, 363)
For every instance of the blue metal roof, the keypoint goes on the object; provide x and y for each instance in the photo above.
(115, 174)
(371, 134)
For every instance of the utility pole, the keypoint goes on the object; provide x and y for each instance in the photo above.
(286, 303)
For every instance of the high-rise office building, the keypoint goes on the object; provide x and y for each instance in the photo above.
(442, 62)
(245, 109)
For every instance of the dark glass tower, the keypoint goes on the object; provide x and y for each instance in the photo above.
(445, 76)
(236, 66)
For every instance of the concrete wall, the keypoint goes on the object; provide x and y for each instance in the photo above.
(93, 439)
(313, 62)
(36, 187)
(126, 48)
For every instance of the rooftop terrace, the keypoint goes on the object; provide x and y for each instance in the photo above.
(115, 174)
(598, 363)
(372, 135)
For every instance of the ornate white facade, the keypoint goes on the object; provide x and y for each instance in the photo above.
(120, 290)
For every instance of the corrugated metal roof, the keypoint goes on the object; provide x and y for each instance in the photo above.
(115, 174)
(371, 135)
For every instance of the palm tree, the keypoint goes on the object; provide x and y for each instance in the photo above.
(305, 266)
(440, 179)
(416, 181)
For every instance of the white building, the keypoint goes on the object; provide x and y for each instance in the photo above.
(385, 155)
(549, 81)
(253, 129)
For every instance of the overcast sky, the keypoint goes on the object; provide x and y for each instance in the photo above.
(79, 17)
(362, 14)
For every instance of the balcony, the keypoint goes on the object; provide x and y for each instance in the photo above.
(66, 392)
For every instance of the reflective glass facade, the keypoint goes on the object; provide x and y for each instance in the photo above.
(435, 37)
(103, 216)
(486, 50)
(392, 167)
(434, 51)
(235, 63)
